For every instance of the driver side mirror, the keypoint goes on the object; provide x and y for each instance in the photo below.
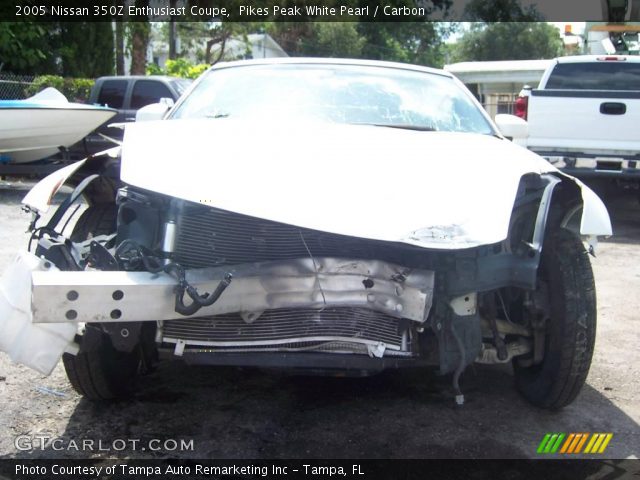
(154, 111)
(512, 127)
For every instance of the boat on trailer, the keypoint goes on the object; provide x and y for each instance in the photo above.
(40, 126)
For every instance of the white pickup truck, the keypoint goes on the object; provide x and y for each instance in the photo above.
(585, 116)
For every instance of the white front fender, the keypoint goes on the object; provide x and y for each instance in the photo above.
(595, 217)
(41, 195)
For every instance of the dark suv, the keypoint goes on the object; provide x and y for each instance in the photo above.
(127, 94)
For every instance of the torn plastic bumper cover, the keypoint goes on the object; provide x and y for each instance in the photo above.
(36, 345)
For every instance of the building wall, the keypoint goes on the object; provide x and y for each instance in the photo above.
(497, 84)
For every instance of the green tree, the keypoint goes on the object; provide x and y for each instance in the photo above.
(334, 39)
(500, 11)
(85, 49)
(508, 41)
(219, 34)
(411, 42)
(22, 47)
(72, 49)
(119, 36)
(138, 33)
(75, 89)
(179, 67)
(293, 37)
(207, 40)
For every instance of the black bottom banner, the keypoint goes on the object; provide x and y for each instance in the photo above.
(297, 469)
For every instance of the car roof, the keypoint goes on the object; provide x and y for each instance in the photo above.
(330, 61)
(139, 77)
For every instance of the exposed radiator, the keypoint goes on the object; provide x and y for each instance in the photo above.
(209, 237)
(295, 329)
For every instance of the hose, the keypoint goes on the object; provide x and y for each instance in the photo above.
(155, 265)
(199, 301)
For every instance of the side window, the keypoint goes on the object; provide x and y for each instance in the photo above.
(112, 93)
(146, 92)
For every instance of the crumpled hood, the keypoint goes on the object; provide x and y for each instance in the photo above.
(431, 189)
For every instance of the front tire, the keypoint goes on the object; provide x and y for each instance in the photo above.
(570, 328)
(99, 371)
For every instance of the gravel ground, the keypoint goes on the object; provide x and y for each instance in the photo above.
(231, 413)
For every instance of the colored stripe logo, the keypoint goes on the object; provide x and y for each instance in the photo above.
(574, 443)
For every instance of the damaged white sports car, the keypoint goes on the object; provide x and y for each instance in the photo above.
(332, 215)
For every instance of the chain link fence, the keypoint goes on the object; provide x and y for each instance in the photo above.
(13, 87)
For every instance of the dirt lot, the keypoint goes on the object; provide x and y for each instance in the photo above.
(231, 413)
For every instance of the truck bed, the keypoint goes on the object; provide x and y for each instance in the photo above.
(587, 123)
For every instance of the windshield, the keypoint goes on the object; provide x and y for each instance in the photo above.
(181, 84)
(335, 93)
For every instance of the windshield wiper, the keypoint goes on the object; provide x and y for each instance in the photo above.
(403, 126)
(217, 115)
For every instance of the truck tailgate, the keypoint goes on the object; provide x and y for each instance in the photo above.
(584, 121)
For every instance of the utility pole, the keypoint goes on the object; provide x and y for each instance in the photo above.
(172, 32)
(172, 39)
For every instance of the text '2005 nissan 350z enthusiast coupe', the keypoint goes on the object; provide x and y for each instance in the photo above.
(330, 215)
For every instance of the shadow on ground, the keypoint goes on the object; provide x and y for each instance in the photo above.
(234, 413)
